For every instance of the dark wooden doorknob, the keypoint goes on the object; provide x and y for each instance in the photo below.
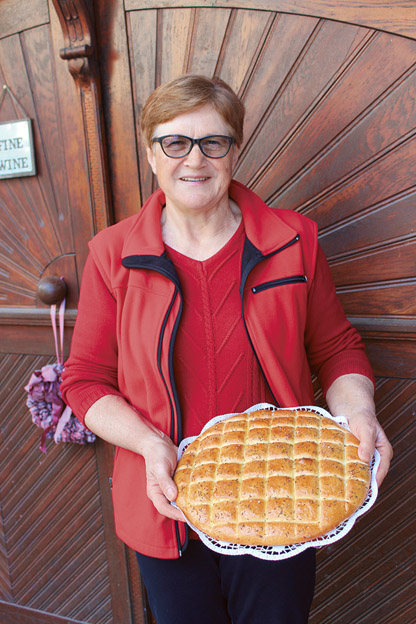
(51, 290)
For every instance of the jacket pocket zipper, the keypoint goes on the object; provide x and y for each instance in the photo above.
(294, 279)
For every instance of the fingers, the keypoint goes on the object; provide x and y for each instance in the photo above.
(366, 448)
(364, 428)
(371, 437)
(162, 502)
(160, 481)
(386, 454)
(352, 396)
(161, 489)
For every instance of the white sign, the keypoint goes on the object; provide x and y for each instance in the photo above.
(17, 156)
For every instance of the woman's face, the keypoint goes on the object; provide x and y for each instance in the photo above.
(194, 183)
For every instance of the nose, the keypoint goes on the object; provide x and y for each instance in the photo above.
(195, 156)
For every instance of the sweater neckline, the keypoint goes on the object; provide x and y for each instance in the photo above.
(230, 245)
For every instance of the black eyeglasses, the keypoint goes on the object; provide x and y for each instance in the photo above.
(178, 146)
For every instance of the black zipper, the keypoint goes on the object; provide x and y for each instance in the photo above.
(175, 395)
(248, 263)
(159, 365)
(283, 281)
(251, 257)
(163, 265)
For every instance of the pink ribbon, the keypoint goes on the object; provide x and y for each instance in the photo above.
(59, 353)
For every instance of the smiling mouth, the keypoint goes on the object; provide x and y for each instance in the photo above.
(194, 179)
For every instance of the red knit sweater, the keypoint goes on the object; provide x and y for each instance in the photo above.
(215, 369)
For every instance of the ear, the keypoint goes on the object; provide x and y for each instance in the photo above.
(151, 159)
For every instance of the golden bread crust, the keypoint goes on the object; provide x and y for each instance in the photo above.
(271, 478)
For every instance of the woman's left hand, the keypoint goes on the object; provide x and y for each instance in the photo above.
(368, 430)
(352, 396)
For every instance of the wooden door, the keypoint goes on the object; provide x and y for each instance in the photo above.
(59, 558)
(330, 132)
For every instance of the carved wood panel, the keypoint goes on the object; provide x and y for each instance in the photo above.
(36, 228)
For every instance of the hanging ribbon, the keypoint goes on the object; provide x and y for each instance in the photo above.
(54, 373)
(47, 408)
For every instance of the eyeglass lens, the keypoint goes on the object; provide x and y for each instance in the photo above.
(211, 146)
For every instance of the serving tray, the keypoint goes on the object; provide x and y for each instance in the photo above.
(283, 552)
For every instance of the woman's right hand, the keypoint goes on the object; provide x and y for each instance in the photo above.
(160, 455)
(114, 420)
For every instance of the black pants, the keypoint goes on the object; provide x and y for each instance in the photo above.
(203, 587)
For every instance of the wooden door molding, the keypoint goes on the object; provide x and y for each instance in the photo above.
(78, 31)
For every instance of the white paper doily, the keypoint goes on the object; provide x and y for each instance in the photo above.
(283, 552)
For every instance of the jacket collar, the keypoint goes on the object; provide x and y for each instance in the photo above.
(144, 237)
(263, 226)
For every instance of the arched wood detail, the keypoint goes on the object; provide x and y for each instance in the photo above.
(79, 51)
(391, 16)
(329, 131)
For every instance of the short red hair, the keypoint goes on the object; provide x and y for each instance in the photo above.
(187, 93)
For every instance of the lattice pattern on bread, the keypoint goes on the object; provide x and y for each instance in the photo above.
(271, 478)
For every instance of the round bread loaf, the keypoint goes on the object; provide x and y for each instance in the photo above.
(271, 478)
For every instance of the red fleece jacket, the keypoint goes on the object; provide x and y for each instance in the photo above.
(129, 312)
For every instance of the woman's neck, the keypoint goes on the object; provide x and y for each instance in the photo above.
(200, 235)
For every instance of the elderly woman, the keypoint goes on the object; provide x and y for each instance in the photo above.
(204, 303)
